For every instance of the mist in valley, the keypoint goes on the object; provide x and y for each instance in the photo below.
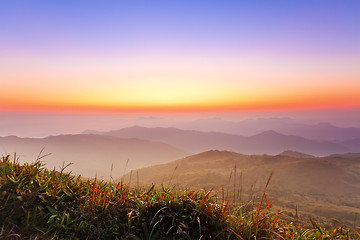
(314, 166)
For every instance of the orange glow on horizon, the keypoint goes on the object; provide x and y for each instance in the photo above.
(162, 95)
(296, 103)
(175, 84)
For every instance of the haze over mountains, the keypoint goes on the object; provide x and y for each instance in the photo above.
(286, 126)
(249, 127)
(316, 167)
(91, 155)
(268, 142)
(94, 152)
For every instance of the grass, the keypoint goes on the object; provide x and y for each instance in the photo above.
(36, 203)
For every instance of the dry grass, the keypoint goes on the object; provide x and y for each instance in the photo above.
(40, 204)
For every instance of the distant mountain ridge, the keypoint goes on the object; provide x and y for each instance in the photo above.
(295, 154)
(268, 142)
(286, 126)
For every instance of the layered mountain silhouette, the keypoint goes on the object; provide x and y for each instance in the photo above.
(91, 155)
(268, 142)
(286, 126)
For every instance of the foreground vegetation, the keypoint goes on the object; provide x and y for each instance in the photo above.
(326, 188)
(36, 203)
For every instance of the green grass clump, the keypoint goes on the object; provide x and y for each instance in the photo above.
(36, 203)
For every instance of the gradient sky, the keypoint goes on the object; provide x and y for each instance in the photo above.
(66, 55)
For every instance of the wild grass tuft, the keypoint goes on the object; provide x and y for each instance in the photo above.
(36, 203)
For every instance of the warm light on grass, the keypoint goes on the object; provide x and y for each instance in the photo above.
(37, 203)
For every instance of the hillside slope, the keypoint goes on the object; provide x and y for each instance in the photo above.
(329, 186)
(40, 204)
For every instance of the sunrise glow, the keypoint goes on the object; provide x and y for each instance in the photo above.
(219, 59)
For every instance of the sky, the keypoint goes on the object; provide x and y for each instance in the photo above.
(65, 56)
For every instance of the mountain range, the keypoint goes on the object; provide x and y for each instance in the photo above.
(315, 167)
(286, 126)
(96, 153)
(268, 142)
